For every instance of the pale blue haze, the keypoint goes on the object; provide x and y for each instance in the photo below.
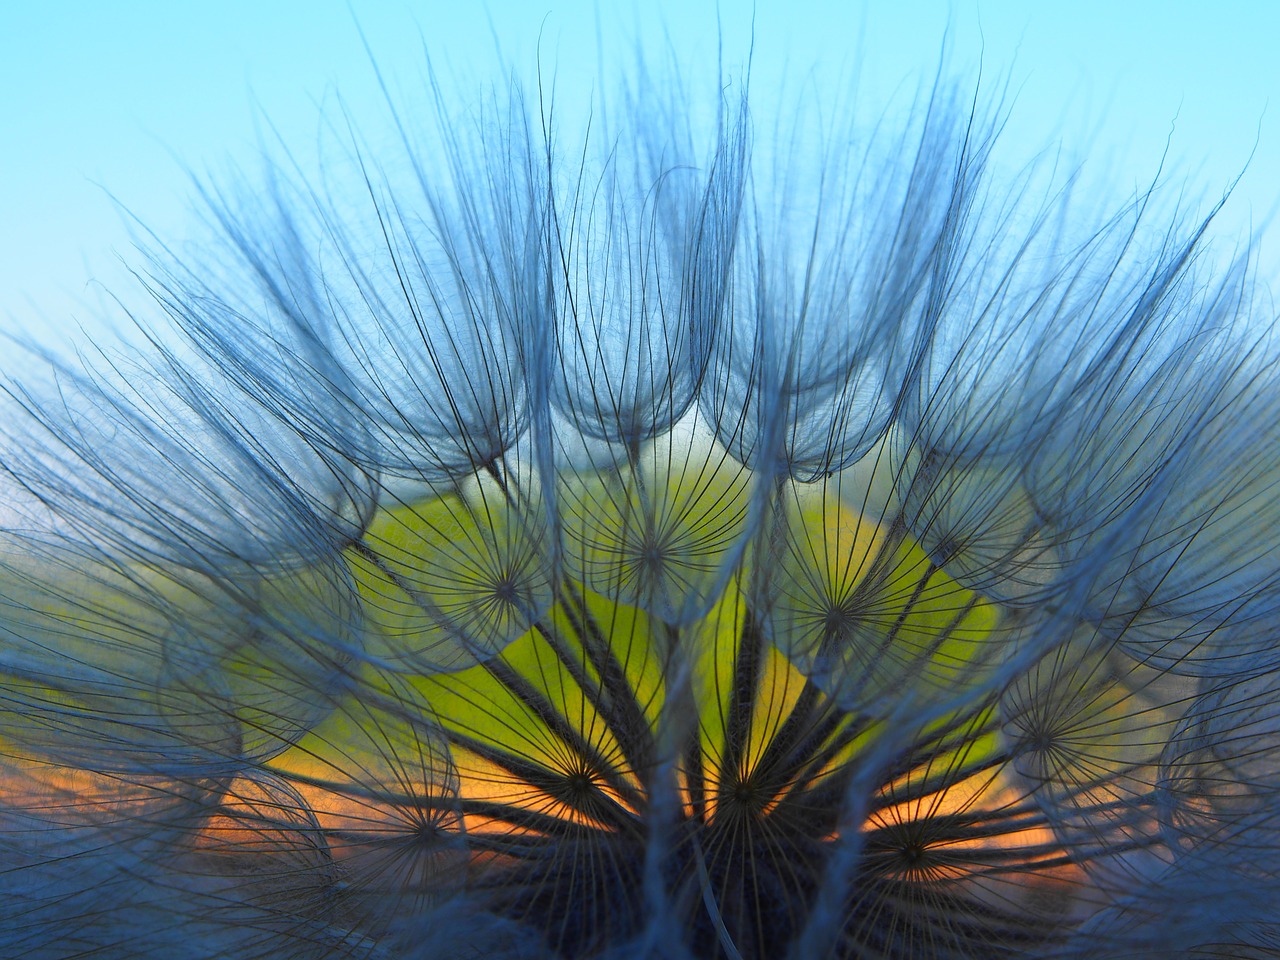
(123, 99)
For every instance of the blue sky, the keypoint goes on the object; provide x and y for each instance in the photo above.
(124, 99)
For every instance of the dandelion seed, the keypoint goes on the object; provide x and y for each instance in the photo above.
(641, 550)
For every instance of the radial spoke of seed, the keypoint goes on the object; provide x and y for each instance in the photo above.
(373, 796)
(933, 784)
(565, 729)
(812, 721)
(525, 845)
(891, 635)
(598, 697)
(813, 772)
(922, 758)
(790, 754)
(417, 823)
(367, 553)
(613, 694)
(549, 784)
(814, 785)
(530, 825)
(692, 756)
(956, 828)
(748, 668)
(491, 470)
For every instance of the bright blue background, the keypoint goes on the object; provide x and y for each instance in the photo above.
(126, 97)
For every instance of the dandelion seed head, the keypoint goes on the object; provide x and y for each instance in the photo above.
(653, 545)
